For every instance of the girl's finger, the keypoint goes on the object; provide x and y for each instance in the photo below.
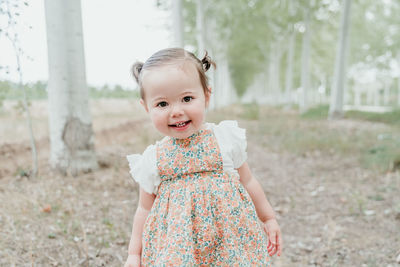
(279, 244)
(274, 249)
(270, 251)
(272, 238)
(271, 248)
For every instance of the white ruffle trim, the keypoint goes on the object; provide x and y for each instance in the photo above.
(143, 169)
(232, 142)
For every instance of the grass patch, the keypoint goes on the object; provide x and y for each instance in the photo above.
(316, 113)
(384, 155)
(392, 117)
(250, 111)
(321, 112)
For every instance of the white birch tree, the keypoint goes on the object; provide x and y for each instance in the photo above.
(289, 66)
(71, 134)
(177, 23)
(337, 93)
(398, 80)
(200, 31)
(305, 62)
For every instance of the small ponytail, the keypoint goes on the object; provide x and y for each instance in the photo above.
(207, 62)
(136, 69)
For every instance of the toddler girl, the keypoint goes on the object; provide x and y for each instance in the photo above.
(198, 201)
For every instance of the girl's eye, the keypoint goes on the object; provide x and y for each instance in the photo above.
(187, 99)
(162, 104)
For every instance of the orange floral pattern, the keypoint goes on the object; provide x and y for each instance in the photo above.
(202, 216)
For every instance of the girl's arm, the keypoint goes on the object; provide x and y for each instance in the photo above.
(263, 208)
(146, 201)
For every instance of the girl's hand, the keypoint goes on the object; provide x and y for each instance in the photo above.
(132, 261)
(271, 227)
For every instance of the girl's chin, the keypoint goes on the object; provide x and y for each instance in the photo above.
(182, 135)
(182, 132)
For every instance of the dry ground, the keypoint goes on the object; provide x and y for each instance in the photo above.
(332, 211)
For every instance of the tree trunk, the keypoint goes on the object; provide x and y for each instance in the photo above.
(357, 97)
(289, 67)
(277, 74)
(386, 93)
(370, 94)
(377, 97)
(398, 80)
(71, 134)
(223, 92)
(305, 64)
(336, 104)
(200, 33)
(274, 79)
(271, 75)
(177, 23)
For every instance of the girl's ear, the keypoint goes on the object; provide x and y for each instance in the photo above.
(144, 105)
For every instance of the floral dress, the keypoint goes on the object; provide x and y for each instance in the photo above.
(202, 215)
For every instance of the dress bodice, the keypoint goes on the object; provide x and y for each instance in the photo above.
(177, 158)
(216, 147)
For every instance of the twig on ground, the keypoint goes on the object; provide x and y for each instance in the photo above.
(85, 246)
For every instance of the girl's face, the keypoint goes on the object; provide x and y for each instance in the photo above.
(175, 99)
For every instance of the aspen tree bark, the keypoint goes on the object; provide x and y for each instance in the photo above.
(337, 94)
(386, 93)
(177, 23)
(277, 95)
(200, 32)
(271, 70)
(223, 92)
(202, 47)
(377, 97)
(71, 134)
(224, 83)
(357, 97)
(370, 94)
(398, 80)
(305, 64)
(289, 67)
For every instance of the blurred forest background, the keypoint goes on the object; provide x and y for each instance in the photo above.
(276, 52)
(315, 83)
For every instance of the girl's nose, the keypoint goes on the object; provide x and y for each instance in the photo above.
(176, 111)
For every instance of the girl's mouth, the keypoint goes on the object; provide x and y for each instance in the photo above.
(181, 125)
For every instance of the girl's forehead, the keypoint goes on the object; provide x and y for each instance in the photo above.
(186, 66)
(168, 72)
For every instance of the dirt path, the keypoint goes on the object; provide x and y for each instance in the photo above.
(332, 212)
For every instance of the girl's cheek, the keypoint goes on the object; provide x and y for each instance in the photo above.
(157, 117)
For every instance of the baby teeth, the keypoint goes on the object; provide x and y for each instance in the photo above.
(181, 124)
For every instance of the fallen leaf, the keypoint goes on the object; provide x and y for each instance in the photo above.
(47, 208)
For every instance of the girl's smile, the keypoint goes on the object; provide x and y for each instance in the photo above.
(180, 126)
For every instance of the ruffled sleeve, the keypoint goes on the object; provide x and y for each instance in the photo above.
(143, 169)
(232, 141)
